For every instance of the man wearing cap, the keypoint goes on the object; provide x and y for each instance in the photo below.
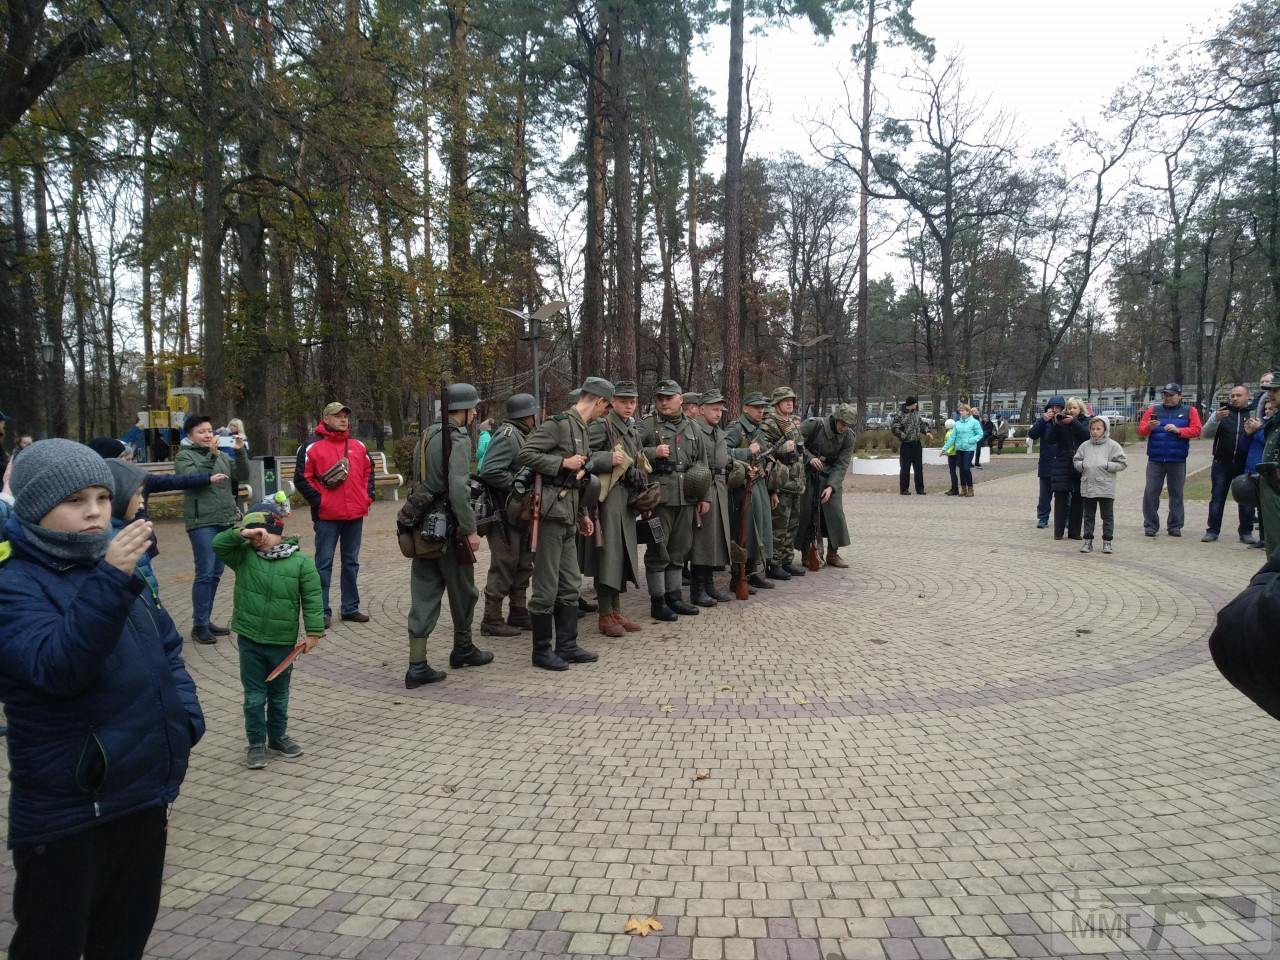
(431, 577)
(689, 403)
(334, 472)
(786, 483)
(908, 428)
(560, 450)
(712, 535)
(615, 454)
(1169, 429)
(1231, 428)
(745, 439)
(510, 556)
(1269, 471)
(828, 447)
(673, 444)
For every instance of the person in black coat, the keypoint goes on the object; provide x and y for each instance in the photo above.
(1068, 430)
(1044, 469)
(1244, 642)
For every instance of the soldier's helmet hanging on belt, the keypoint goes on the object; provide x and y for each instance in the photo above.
(697, 481)
(522, 405)
(461, 396)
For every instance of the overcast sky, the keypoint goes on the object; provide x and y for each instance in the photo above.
(1047, 61)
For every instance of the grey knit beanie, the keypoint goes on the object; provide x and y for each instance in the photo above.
(128, 478)
(49, 471)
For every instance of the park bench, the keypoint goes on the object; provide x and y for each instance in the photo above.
(174, 496)
(1019, 444)
(383, 478)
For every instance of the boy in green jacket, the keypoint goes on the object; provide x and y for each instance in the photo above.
(274, 580)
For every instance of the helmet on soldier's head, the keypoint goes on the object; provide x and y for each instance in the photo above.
(780, 394)
(522, 405)
(845, 414)
(461, 396)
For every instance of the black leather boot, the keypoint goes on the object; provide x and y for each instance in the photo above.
(759, 581)
(795, 569)
(586, 606)
(677, 603)
(203, 635)
(467, 654)
(420, 673)
(658, 608)
(543, 655)
(777, 573)
(567, 649)
(714, 592)
(698, 588)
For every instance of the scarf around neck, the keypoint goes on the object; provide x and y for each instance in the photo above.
(283, 549)
(78, 548)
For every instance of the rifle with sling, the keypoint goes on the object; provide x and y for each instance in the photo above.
(535, 521)
(462, 552)
(812, 551)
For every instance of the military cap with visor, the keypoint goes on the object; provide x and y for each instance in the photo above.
(625, 388)
(598, 386)
(711, 396)
(754, 399)
(694, 398)
(667, 388)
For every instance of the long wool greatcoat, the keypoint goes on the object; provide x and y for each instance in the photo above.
(835, 449)
(614, 564)
(711, 539)
(739, 437)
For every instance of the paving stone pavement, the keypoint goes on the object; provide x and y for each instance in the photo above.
(975, 742)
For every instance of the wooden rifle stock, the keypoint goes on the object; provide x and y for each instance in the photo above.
(740, 586)
(536, 520)
(812, 555)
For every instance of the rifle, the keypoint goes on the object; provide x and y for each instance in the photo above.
(812, 553)
(740, 587)
(462, 552)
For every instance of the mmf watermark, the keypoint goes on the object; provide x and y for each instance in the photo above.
(1145, 918)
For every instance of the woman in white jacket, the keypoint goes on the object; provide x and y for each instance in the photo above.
(1098, 460)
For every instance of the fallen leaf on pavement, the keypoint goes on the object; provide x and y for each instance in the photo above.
(666, 708)
(702, 775)
(642, 927)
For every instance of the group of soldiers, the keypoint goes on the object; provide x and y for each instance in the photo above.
(577, 494)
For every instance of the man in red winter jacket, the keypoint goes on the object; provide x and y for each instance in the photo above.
(335, 473)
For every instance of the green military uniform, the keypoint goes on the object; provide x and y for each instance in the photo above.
(739, 437)
(713, 536)
(431, 578)
(510, 555)
(786, 481)
(835, 449)
(662, 561)
(557, 578)
(614, 564)
(1269, 487)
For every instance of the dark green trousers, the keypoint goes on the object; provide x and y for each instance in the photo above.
(266, 705)
(557, 579)
(429, 581)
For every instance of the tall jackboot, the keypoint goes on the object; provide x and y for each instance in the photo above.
(658, 608)
(543, 628)
(674, 599)
(492, 624)
(518, 616)
(714, 592)
(567, 649)
(420, 671)
(467, 654)
(698, 587)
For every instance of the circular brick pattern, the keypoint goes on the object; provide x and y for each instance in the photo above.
(938, 752)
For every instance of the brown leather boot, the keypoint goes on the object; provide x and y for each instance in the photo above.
(610, 626)
(968, 491)
(492, 625)
(627, 624)
(835, 560)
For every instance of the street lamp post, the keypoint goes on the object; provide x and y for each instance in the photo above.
(1207, 327)
(803, 347)
(46, 355)
(1057, 362)
(533, 333)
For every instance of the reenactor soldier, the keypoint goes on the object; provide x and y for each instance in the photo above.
(828, 448)
(559, 452)
(445, 485)
(746, 442)
(510, 556)
(786, 482)
(616, 455)
(689, 404)
(673, 445)
(712, 533)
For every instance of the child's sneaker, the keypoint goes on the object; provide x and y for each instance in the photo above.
(285, 747)
(1106, 546)
(1087, 547)
(255, 758)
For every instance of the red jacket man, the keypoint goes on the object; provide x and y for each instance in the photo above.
(334, 472)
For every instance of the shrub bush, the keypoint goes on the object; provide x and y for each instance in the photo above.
(877, 440)
(402, 454)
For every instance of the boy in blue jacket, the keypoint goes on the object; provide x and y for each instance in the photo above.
(102, 713)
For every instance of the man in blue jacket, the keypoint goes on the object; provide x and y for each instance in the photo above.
(1041, 433)
(102, 713)
(1169, 429)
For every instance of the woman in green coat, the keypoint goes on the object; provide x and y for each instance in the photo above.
(828, 448)
(207, 512)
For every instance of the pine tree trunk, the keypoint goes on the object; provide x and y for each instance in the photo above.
(622, 209)
(733, 214)
(211, 214)
(592, 326)
(697, 362)
(863, 344)
(461, 317)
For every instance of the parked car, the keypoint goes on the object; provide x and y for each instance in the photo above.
(1114, 416)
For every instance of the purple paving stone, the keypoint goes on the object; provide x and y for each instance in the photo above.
(675, 948)
(523, 940)
(931, 948)
(435, 933)
(771, 949)
(902, 927)
(803, 950)
(1021, 923)
(303, 918)
(554, 941)
(783, 928)
(493, 953)
(378, 950)
(644, 946)
(436, 913)
(546, 920)
(336, 901)
(1025, 946)
(407, 931)
(896, 948)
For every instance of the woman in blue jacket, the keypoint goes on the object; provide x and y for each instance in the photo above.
(102, 713)
(968, 434)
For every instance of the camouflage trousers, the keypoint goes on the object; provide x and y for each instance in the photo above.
(786, 524)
